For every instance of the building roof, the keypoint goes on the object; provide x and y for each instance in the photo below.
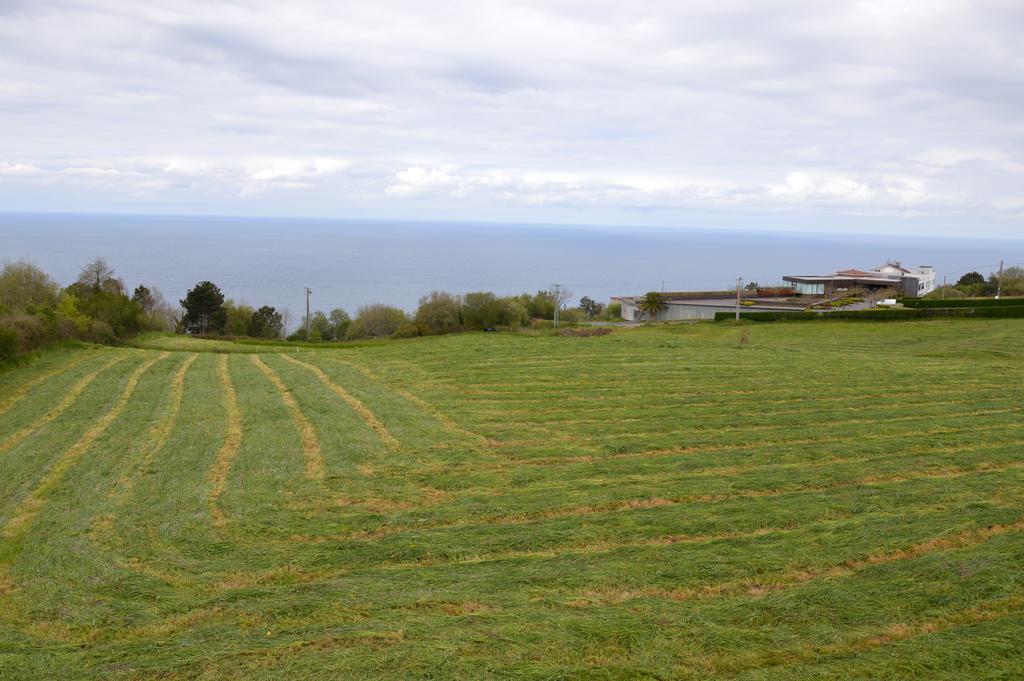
(871, 278)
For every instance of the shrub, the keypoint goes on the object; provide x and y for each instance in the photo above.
(439, 312)
(377, 321)
(238, 319)
(962, 302)
(613, 311)
(8, 343)
(483, 310)
(880, 314)
(774, 292)
(539, 306)
(407, 330)
(945, 293)
(23, 286)
(572, 315)
(100, 332)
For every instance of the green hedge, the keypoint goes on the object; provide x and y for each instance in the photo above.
(922, 303)
(880, 315)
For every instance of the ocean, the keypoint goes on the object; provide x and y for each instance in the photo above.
(350, 263)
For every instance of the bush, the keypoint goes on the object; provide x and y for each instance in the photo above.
(613, 311)
(8, 343)
(377, 321)
(774, 291)
(439, 312)
(945, 293)
(124, 316)
(877, 314)
(406, 330)
(962, 302)
(483, 310)
(572, 315)
(238, 319)
(539, 306)
(24, 287)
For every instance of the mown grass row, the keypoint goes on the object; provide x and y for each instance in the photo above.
(657, 502)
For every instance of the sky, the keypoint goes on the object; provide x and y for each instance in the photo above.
(893, 116)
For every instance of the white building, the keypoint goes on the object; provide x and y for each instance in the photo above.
(891, 275)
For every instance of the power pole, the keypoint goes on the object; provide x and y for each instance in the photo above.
(999, 286)
(308, 291)
(739, 284)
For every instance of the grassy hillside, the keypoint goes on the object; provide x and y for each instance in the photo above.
(828, 501)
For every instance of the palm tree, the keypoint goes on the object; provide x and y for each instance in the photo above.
(651, 304)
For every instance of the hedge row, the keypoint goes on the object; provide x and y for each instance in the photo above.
(962, 302)
(881, 315)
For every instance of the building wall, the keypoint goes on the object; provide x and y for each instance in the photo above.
(918, 284)
(629, 310)
(679, 311)
(674, 312)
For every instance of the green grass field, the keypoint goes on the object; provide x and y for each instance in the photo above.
(829, 501)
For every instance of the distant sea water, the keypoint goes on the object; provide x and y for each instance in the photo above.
(350, 263)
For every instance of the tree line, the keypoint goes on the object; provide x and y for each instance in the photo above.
(36, 312)
(975, 285)
(208, 312)
(98, 307)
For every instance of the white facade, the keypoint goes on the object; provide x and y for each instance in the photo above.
(683, 309)
(915, 283)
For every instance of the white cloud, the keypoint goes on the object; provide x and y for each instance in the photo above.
(19, 170)
(949, 158)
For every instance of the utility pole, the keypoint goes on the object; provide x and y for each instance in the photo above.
(739, 284)
(999, 287)
(308, 291)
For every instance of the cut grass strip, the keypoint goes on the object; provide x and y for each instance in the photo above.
(158, 435)
(436, 413)
(25, 388)
(511, 462)
(232, 442)
(733, 663)
(761, 585)
(315, 468)
(357, 406)
(62, 406)
(654, 502)
(31, 506)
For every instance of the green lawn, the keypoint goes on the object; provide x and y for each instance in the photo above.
(830, 501)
